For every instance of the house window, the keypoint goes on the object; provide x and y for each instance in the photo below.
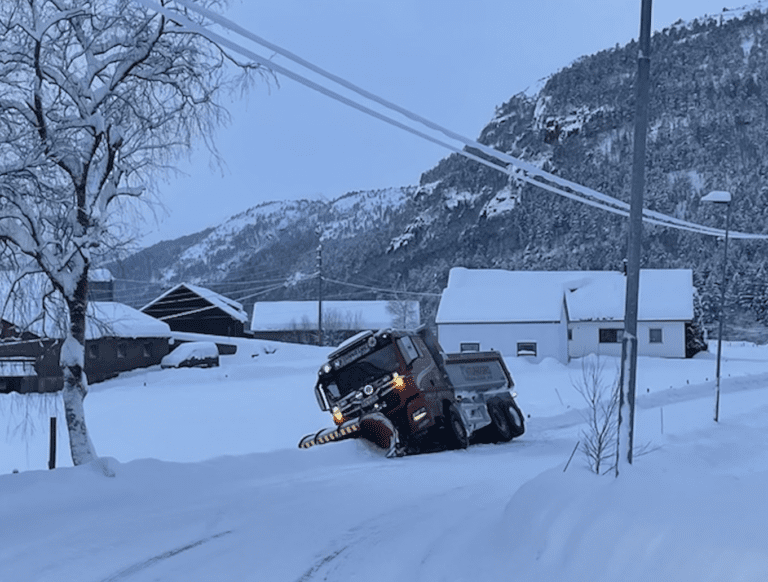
(526, 348)
(122, 350)
(570, 334)
(93, 351)
(470, 347)
(655, 336)
(611, 335)
(147, 349)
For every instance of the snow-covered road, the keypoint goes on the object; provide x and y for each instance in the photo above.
(266, 511)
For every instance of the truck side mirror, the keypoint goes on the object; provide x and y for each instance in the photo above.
(408, 350)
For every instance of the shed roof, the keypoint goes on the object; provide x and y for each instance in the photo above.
(24, 306)
(112, 319)
(229, 306)
(291, 315)
(498, 296)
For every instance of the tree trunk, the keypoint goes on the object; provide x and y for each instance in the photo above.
(75, 383)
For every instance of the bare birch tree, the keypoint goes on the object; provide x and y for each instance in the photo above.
(96, 96)
(602, 399)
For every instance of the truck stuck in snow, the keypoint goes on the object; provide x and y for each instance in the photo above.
(400, 391)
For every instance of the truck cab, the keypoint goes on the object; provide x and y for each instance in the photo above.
(399, 390)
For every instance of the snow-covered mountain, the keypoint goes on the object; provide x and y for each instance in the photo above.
(708, 121)
(274, 241)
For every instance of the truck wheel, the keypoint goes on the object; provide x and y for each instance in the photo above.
(515, 415)
(501, 422)
(457, 435)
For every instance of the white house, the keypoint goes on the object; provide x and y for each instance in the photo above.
(665, 306)
(562, 314)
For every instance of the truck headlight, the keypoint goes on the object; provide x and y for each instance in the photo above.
(398, 381)
(338, 418)
(419, 414)
(327, 369)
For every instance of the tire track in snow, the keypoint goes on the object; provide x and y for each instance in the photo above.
(317, 566)
(368, 529)
(131, 570)
(377, 529)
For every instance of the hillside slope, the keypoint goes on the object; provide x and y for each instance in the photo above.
(708, 121)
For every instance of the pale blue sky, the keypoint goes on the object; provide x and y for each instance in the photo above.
(448, 60)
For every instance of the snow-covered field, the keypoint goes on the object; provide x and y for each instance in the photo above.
(210, 486)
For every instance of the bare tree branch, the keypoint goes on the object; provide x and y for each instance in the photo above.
(96, 97)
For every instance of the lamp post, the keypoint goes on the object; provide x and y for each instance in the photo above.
(319, 233)
(720, 197)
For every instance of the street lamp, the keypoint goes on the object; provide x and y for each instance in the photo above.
(720, 197)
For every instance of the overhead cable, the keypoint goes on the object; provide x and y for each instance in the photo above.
(528, 174)
(369, 288)
(346, 101)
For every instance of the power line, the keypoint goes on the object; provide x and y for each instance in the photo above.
(526, 172)
(392, 291)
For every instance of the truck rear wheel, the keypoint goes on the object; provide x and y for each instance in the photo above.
(515, 416)
(501, 422)
(456, 432)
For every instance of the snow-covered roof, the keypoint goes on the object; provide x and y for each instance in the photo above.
(229, 306)
(25, 308)
(100, 276)
(290, 315)
(498, 296)
(665, 295)
(112, 319)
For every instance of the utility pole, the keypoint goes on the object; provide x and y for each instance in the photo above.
(628, 374)
(720, 313)
(721, 197)
(320, 294)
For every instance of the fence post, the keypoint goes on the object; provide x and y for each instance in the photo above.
(52, 453)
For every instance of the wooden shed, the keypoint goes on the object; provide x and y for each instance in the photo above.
(193, 309)
(118, 338)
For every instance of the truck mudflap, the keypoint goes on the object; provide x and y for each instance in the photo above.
(374, 427)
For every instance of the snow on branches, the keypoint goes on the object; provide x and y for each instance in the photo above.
(96, 97)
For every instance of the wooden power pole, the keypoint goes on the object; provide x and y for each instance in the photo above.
(628, 374)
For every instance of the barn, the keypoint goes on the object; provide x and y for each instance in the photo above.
(118, 338)
(194, 309)
(562, 314)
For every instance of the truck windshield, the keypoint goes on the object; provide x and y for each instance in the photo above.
(367, 369)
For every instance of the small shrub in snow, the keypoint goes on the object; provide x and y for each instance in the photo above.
(598, 439)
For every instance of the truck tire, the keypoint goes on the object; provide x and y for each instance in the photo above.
(456, 433)
(515, 416)
(502, 429)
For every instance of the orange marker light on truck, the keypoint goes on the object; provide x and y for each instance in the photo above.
(398, 381)
(338, 418)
